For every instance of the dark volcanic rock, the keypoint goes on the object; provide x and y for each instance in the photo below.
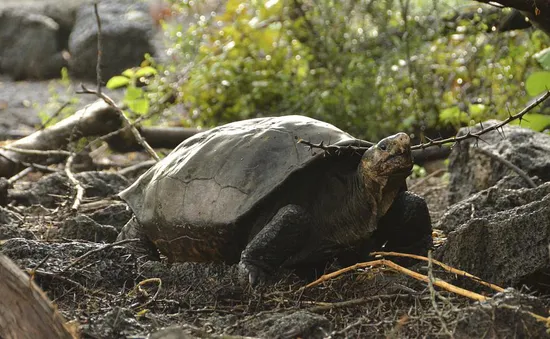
(505, 195)
(127, 32)
(84, 228)
(472, 171)
(116, 215)
(299, 324)
(501, 236)
(506, 315)
(55, 188)
(30, 45)
(10, 225)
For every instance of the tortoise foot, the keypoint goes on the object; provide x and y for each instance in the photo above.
(253, 274)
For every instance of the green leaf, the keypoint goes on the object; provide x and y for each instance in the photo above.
(537, 83)
(139, 106)
(129, 73)
(146, 71)
(534, 121)
(450, 114)
(543, 57)
(117, 81)
(133, 93)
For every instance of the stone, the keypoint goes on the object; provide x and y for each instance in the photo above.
(116, 215)
(505, 195)
(10, 225)
(82, 227)
(127, 31)
(508, 314)
(301, 324)
(53, 189)
(501, 235)
(472, 171)
(30, 45)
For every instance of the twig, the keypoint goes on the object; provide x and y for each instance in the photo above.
(384, 262)
(96, 250)
(334, 148)
(35, 151)
(107, 99)
(75, 182)
(508, 164)
(53, 116)
(442, 265)
(477, 135)
(433, 295)
(146, 281)
(134, 130)
(31, 271)
(42, 168)
(456, 139)
(64, 279)
(19, 175)
(99, 48)
(355, 302)
(134, 168)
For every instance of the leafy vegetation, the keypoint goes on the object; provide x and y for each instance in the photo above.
(369, 67)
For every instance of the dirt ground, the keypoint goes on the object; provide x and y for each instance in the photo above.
(110, 292)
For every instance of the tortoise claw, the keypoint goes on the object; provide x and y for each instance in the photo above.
(251, 273)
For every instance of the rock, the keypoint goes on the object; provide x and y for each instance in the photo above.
(63, 12)
(53, 189)
(507, 315)
(501, 235)
(116, 215)
(178, 332)
(10, 225)
(30, 45)
(82, 227)
(505, 195)
(127, 31)
(472, 171)
(301, 324)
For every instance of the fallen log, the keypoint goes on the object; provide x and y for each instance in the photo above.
(25, 311)
(97, 118)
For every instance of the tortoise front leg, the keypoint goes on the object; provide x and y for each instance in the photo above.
(144, 246)
(406, 227)
(282, 237)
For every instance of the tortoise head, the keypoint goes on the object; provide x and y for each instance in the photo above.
(390, 157)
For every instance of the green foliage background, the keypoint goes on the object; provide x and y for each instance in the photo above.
(371, 67)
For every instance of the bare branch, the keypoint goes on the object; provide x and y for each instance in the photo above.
(75, 182)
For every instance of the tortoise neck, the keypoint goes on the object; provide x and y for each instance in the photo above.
(357, 212)
(383, 189)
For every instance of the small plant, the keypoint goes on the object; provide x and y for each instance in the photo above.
(133, 80)
(59, 105)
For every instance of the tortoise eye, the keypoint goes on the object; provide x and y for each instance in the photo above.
(383, 146)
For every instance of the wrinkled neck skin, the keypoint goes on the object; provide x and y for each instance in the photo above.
(369, 199)
(383, 190)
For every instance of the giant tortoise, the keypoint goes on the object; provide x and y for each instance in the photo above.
(248, 192)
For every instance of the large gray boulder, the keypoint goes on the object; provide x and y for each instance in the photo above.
(30, 45)
(501, 235)
(473, 171)
(506, 315)
(127, 31)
